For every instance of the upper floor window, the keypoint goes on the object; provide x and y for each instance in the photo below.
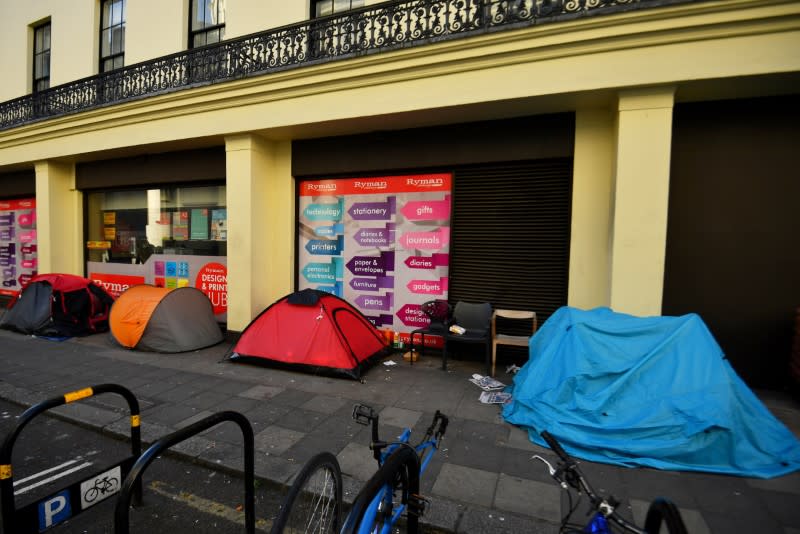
(112, 35)
(320, 8)
(207, 23)
(41, 57)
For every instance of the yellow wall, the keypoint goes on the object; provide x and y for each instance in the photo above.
(592, 184)
(73, 45)
(155, 28)
(244, 17)
(514, 67)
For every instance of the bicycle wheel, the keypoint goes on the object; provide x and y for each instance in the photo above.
(314, 501)
(91, 494)
(666, 511)
(112, 486)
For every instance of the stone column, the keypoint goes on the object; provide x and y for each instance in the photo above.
(59, 219)
(260, 204)
(641, 194)
(592, 188)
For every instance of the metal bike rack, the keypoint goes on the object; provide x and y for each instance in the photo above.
(133, 480)
(67, 502)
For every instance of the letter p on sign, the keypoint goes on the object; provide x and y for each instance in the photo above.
(54, 510)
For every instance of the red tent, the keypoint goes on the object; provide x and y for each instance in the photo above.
(312, 331)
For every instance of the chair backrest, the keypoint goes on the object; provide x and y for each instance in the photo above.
(472, 315)
(515, 315)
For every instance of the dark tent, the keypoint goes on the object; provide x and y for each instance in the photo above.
(646, 391)
(159, 319)
(311, 331)
(59, 305)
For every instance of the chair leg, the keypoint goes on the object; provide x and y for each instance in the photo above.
(494, 357)
(411, 348)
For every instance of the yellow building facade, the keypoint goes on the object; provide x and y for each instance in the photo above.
(616, 73)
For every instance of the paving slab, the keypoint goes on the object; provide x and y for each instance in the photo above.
(543, 499)
(324, 404)
(356, 460)
(399, 417)
(261, 392)
(275, 439)
(474, 486)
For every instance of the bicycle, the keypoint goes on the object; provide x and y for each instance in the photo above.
(569, 475)
(314, 500)
(394, 488)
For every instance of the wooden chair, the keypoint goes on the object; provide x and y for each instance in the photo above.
(511, 339)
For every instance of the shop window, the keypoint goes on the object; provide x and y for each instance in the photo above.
(112, 35)
(207, 22)
(170, 237)
(41, 57)
(18, 248)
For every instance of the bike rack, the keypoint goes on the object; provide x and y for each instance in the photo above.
(67, 502)
(134, 478)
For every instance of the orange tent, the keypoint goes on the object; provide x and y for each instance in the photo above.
(159, 319)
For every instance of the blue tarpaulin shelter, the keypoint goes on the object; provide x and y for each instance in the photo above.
(653, 391)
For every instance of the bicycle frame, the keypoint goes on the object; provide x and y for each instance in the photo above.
(383, 451)
(425, 452)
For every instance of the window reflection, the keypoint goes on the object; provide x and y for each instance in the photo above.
(130, 226)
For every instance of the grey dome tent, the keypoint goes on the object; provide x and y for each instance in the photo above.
(159, 319)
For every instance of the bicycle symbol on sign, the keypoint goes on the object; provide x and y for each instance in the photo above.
(101, 486)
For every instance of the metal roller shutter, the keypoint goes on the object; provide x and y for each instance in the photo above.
(510, 235)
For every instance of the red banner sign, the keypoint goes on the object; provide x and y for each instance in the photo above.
(212, 279)
(115, 284)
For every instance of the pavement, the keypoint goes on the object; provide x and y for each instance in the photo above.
(482, 480)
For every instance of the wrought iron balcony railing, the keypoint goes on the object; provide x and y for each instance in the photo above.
(376, 28)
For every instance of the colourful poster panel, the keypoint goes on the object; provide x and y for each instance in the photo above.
(382, 244)
(209, 274)
(18, 254)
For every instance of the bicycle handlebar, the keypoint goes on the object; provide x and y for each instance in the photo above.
(570, 467)
(574, 477)
(434, 432)
(556, 446)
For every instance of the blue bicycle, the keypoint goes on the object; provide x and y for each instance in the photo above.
(605, 519)
(394, 489)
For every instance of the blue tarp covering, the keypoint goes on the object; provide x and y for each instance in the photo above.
(654, 391)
